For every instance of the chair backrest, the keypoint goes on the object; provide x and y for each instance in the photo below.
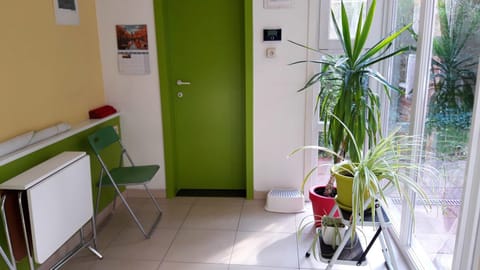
(103, 138)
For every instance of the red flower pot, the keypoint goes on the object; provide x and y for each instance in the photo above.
(322, 205)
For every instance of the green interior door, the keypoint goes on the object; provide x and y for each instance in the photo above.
(205, 58)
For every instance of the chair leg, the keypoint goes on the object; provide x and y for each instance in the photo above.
(99, 192)
(114, 207)
(159, 216)
(140, 226)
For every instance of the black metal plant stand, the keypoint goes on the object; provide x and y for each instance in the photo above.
(350, 251)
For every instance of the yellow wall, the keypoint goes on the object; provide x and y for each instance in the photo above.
(48, 73)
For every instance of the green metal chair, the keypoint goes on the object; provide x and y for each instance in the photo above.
(122, 175)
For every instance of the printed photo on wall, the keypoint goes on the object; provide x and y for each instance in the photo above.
(132, 37)
(132, 45)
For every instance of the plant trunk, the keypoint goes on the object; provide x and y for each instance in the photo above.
(329, 187)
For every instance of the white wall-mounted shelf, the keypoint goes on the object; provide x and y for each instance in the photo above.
(44, 143)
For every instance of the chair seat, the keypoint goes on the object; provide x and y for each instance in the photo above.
(131, 175)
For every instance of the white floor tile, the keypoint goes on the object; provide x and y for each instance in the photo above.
(173, 214)
(202, 246)
(265, 249)
(209, 234)
(213, 216)
(255, 218)
(249, 267)
(131, 244)
(219, 201)
(192, 266)
(126, 264)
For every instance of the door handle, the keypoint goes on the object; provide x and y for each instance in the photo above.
(180, 82)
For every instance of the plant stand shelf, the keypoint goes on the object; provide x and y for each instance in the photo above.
(354, 254)
(351, 254)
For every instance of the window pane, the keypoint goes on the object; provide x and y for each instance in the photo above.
(352, 7)
(447, 123)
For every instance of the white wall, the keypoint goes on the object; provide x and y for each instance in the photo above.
(137, 97)
(279, 111)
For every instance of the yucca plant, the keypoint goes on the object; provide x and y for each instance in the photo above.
(453, 68)
(453, 74)
(345, 90)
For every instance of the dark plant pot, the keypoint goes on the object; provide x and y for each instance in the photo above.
(322, 205)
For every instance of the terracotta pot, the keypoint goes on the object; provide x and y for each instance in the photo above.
(322, 205)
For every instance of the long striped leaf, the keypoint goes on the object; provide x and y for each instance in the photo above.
(346, 31)
(362, 39)
(383, 43)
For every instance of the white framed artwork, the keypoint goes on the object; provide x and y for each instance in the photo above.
(66, 12)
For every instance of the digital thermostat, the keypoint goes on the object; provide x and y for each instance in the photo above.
(272, 34)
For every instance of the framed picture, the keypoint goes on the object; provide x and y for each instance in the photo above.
(66, 12)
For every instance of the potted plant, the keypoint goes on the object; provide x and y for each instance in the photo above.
(345, 91)
(333, 230)
(391, 165)
(393, 162)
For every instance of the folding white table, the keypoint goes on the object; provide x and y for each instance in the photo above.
(58, 194)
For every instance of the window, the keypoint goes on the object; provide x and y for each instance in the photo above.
(328, 37)
(352, 7)
(437, 105)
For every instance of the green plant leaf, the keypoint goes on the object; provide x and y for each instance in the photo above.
(383, 43)
(362, 32)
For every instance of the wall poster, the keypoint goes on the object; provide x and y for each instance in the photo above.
(132, 46)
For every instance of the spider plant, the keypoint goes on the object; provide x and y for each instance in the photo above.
(391, 165)
(345, 89)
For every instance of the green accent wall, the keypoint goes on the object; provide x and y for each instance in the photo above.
(77, 142)
(167, 99)
(248, 20)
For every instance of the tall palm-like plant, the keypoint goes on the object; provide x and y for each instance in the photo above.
(345, 91)
(453, 68)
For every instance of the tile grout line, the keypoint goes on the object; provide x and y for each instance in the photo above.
(236, 234)
(176, 233)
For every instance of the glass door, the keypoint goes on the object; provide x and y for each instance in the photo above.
(437, 107)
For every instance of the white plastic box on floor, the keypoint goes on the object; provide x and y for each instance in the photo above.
(285, 201)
